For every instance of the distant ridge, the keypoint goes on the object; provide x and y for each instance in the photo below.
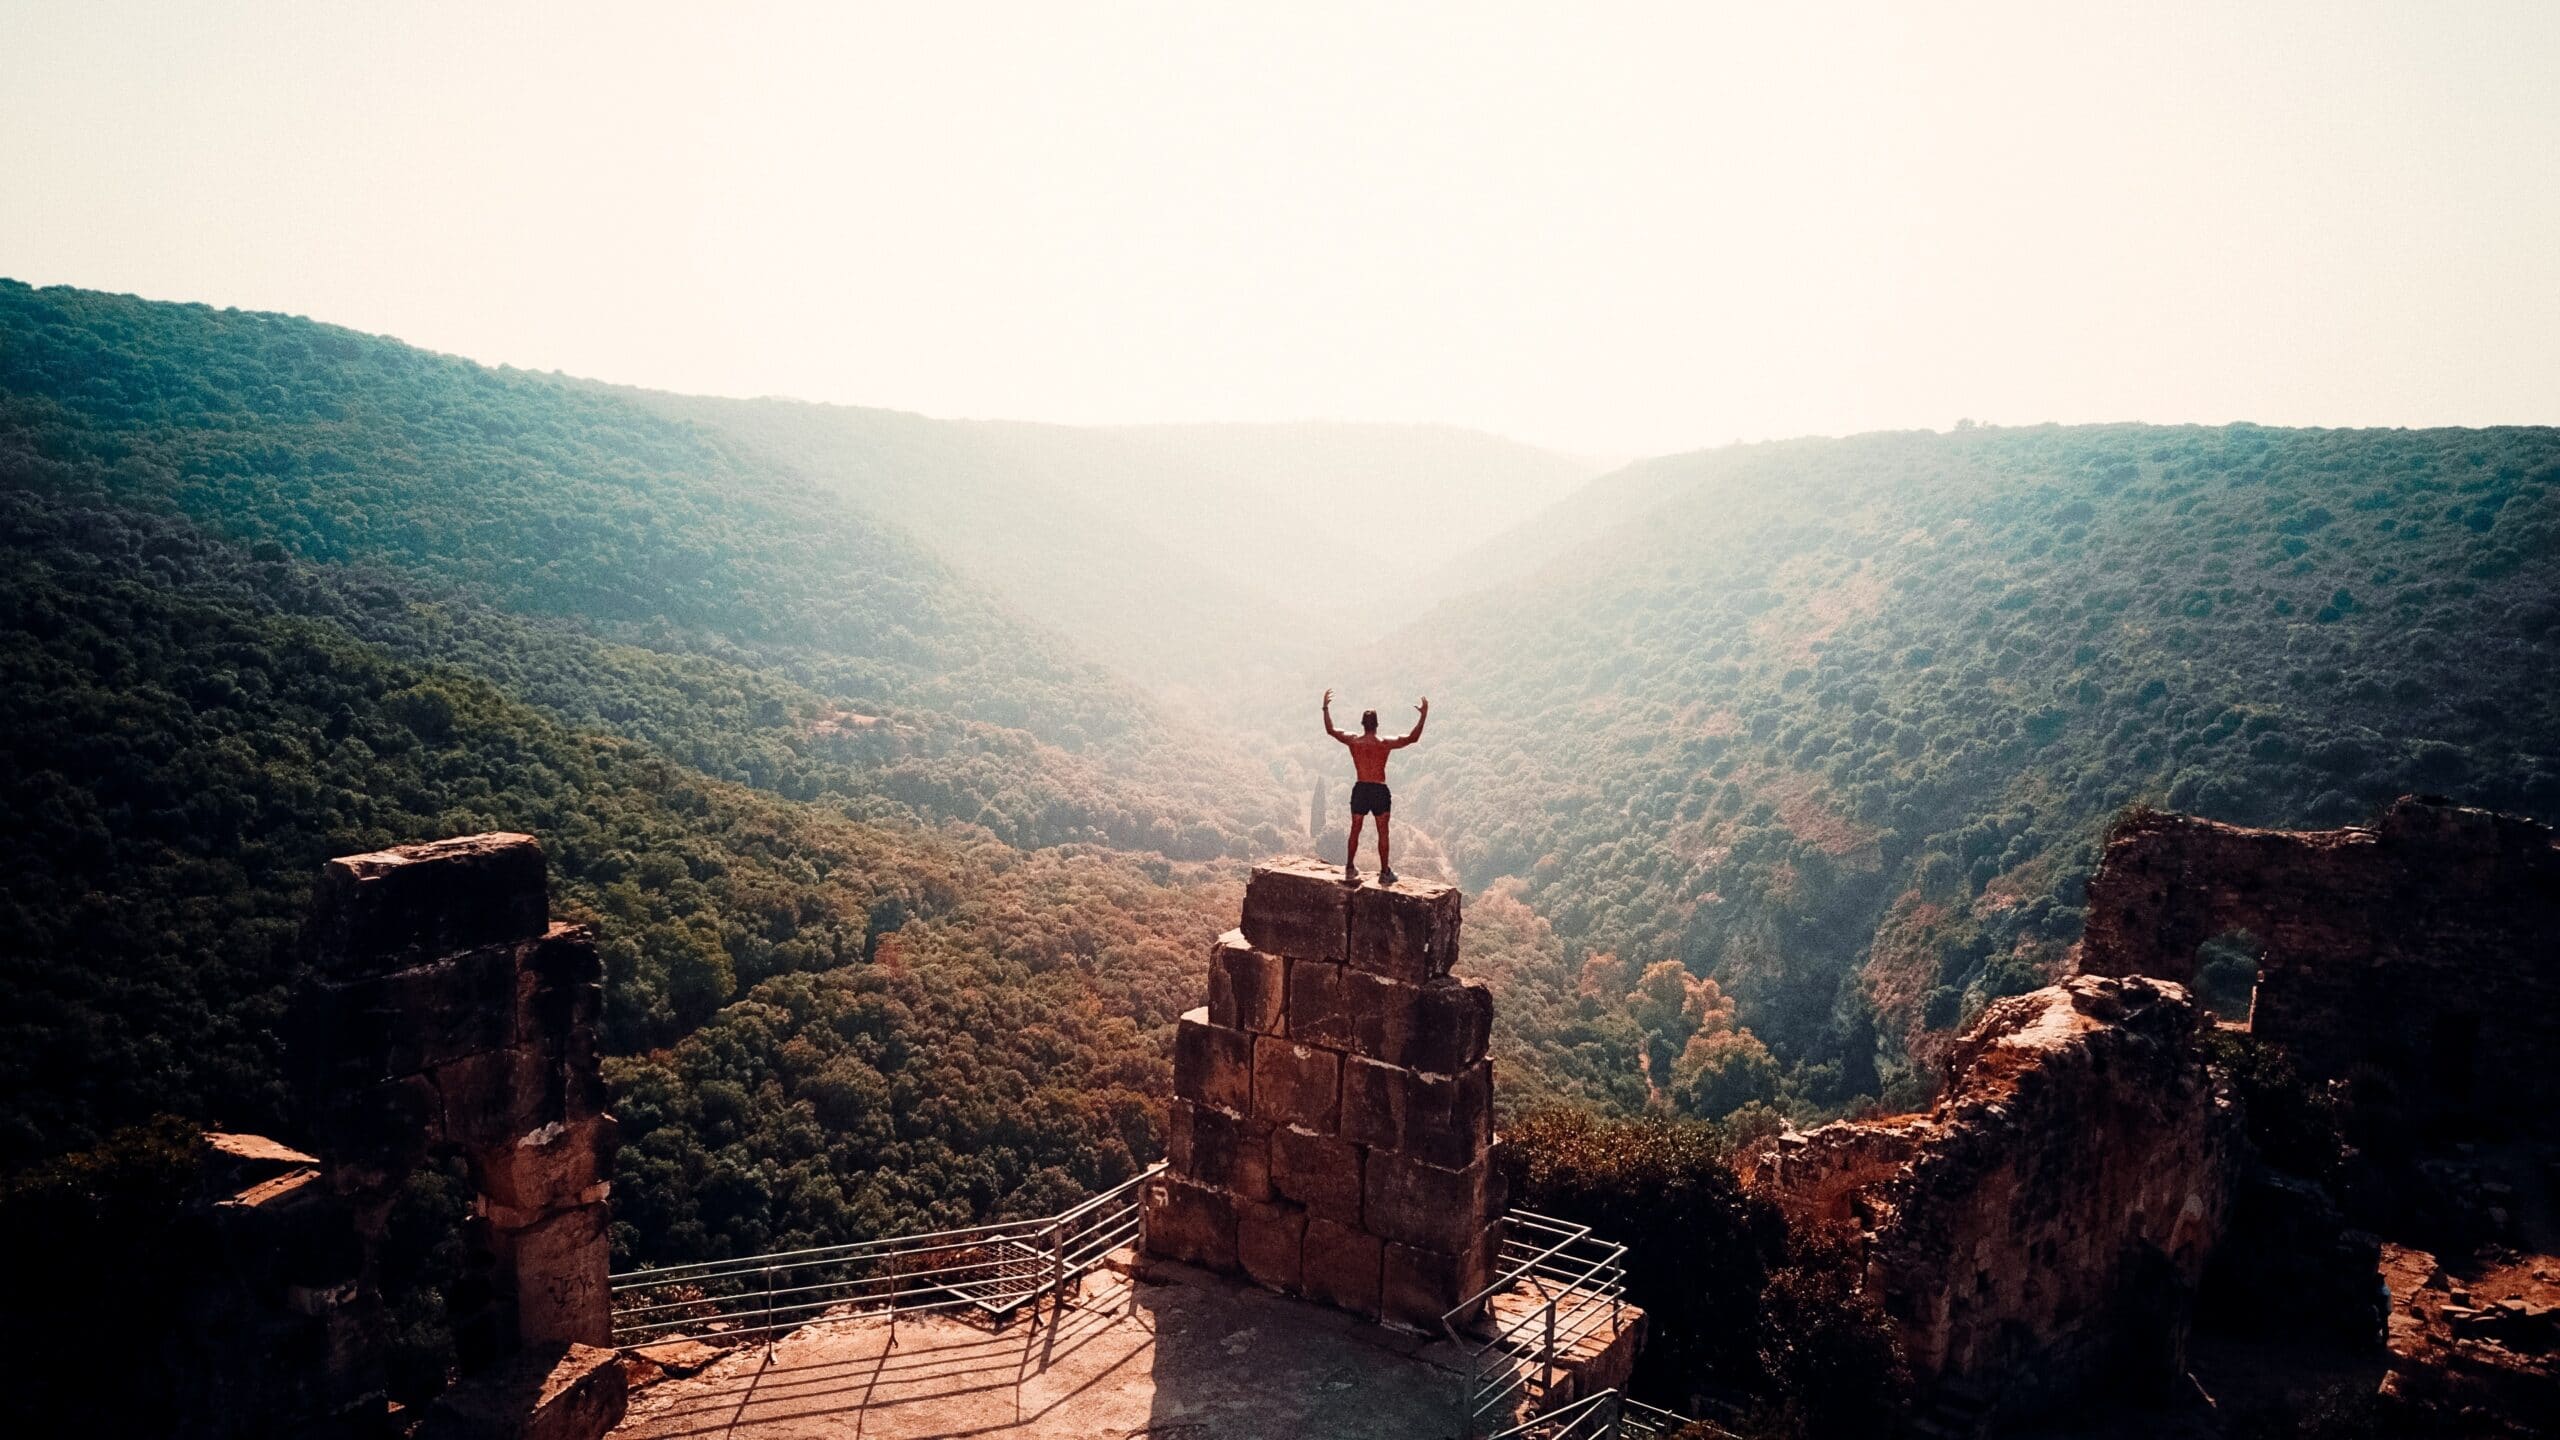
(1837, 722)
(1196, 557)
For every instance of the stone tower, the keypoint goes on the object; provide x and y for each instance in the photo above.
(446, 1013)
(1332, 1127)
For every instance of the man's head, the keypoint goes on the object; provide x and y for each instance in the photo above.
(1369, 722)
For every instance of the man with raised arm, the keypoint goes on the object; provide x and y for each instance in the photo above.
(1369, 793)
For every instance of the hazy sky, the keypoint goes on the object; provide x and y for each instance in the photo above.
(1616, 229)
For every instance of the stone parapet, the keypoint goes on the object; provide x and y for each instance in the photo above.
(1331, 1133)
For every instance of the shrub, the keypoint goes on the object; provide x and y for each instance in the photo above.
(1700, 1247)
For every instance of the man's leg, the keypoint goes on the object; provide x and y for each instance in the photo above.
(1351, 856)
(1386, 867)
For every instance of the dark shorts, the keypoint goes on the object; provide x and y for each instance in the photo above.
(1368, 797)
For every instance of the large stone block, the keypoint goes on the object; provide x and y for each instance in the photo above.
(1408, 931)
(1269, 1237)
(559, 986)
(1418, 1287)
(1442, 1026)
(1445, 1119)
(1369, 1110)
(1451, 1029)
(1321, 1172)
(1190, 1223)
(559, 1265)
(399, 1022)
(1297, 908)
(1212, 1065)
(1340, 1265)
(1416, 1203)
(372, 1137)
(1228, 1152)
(489, 1099)
(1320, 1011)
(1179, 1115)
(1248, 990)
(1295, 1084)
(551, 1392)
(553, 1165)
(391, 908)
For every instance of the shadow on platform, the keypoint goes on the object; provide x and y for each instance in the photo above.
(1197, 1358)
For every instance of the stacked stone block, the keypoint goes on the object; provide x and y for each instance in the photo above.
(445, 1013)
(1332, 1126)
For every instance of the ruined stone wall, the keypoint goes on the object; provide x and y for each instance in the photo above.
(2046, 1225)
(444, 1014)
(1332, 1127)
(2422, 945)
(446, 1011)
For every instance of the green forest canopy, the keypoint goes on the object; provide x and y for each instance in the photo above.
(1799, 760)
(1837, 724)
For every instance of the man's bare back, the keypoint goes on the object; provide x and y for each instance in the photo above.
(1370, 796)
(1369, 757)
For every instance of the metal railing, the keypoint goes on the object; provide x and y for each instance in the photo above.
(995, 1269)
(1639, 1421)
(1578, 1282)
(1609, 1415)
(1593, 1417)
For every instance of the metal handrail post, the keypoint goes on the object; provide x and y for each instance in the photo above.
(1057, 1266)
(768, 1310)
(1547, 1356)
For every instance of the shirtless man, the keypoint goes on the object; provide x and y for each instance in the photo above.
(1369, 795)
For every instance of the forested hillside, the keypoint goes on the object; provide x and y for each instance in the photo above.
(893, 889)
(537, 519)
(1836, 724)
(1778, 764)
(830, 1029)
(887, 943)
(833, 1028)
(1193, 556)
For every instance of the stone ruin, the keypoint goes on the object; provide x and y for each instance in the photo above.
(2421, 946)
(444, 1014)
(2048, 1223)
(2419, 951)
(1332, 1127)
(2045, 1226)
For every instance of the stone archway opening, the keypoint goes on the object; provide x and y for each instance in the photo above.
(2226, 974)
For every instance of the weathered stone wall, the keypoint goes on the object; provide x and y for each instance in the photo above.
(1332, 1127)
(2045, 1226)
(2423, 945)
(444, 1013)
(445, 1010)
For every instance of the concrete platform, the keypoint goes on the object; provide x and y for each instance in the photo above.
(1193, 1356)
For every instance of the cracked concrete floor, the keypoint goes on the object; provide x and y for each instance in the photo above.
(1200, 1357)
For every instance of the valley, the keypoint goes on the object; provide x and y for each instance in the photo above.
(903, 763)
